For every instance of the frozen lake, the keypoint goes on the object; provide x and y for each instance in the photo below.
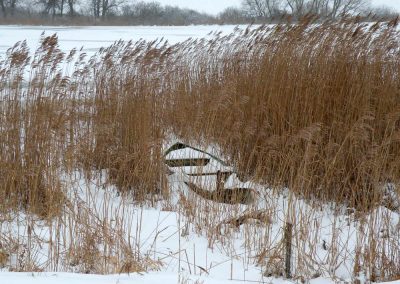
(91, 38)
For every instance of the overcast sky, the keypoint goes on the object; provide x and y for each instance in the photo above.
(216, 6)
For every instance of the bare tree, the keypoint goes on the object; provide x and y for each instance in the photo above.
(102, 8)
(325, 8)
(71, 7)
(50, 7)
(13, 4)
(96, 4)
(262, 8)
(3, 8)
(297, 7)
(343, 7)
(232, 15)
(318, 7)
(57, 7)
(8, 7)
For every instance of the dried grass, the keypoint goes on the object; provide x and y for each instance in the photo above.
(310, 107)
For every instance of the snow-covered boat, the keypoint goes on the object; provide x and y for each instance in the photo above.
(207, 175)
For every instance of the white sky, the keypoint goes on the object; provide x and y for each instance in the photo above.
(216, 6)
(390, 3)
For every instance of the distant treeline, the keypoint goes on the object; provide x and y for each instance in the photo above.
(125, 12)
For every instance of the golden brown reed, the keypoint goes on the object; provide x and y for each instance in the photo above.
(310, 107)
(313, 108)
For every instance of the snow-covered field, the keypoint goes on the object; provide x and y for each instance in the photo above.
(187, 251)
(91, 39)
(325, 240)
(150, 278)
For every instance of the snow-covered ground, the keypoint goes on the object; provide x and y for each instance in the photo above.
(148, 278)
(186, 249)
(183, 241)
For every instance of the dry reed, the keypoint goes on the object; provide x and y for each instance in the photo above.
(310, 107)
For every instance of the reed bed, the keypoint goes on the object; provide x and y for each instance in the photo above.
(313, 109)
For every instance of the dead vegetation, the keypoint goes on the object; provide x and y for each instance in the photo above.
(310, 107)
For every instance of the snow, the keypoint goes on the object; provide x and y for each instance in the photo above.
(182, 242)
(162, 235)
(206, 175)
(70, 278)
(186, 153)
(92, 38)
(146, 278)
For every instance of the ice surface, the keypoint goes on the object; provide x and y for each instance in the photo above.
(92, 38)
